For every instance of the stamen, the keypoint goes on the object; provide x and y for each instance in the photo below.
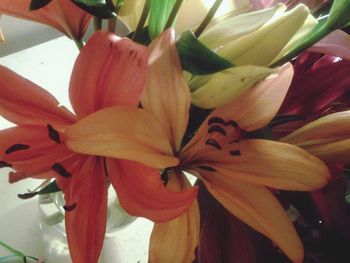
(216, 120)
(213, 143)
(17, 147)
(217, 128)
(27, 195)
(234, 141)
(53, 134)
(207, 168)
(235, 153)
(58, 168)
(4, 164)
(70, 208)
(232, 123)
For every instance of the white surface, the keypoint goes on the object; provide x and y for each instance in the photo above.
(49, 65)
(20, 34)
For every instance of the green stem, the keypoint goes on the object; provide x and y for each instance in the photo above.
(97, 23)
(208, 18)
(173, 14)
(79, 43)
(142, 21)
(112, 23)
(16, 252)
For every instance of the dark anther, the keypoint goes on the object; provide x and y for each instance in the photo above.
(216, 120)
(27, 195)
(235, 153)
(58, 168)
(69, 208)
(213, 143)
(17, 147)
(231, 123)
(53, 134)
(207, 168)
(4, 164)
(165, 176)
(217, 128)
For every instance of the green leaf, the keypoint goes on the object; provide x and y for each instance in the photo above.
(37, 4)
(99, 8)
(196, 58)
(159, 14)
(143, 37)
(51, 188)
(339, 16)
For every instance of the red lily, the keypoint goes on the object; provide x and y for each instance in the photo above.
(60, 14)
(109, 71)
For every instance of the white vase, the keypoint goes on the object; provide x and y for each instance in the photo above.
(53, 228)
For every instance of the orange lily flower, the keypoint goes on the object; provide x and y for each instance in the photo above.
(236, 170)
(63, 15)
(109, 71)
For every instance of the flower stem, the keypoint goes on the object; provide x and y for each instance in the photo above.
(208, 18)
(173, 14)
(79, 43)
(97, 23)
(142, 21)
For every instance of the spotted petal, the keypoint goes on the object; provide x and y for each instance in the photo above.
(86, 202)
(109, 71)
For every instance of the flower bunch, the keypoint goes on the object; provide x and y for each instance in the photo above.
(234, 100)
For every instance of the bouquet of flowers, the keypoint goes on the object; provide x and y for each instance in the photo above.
(250, 97)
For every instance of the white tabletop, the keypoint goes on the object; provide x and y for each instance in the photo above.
(49, 65)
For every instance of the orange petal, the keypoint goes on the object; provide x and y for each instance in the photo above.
(176, 240)
(23, 102)
(86, 223)
(333, 152)
(167, 94)
(142, 193)
(328, 128)
(285, 166)
(115, 75)
(30, 151)
(60, 14)
(257, 207)
(122, 132)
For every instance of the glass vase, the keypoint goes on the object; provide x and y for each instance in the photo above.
(53, 227)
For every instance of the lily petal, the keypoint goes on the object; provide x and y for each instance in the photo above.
(326, 129)
(86, 193)
(270, 38)
(184, 230)
(217, 92)
(125, 133)
(116, 74)
(141, 192)
(60, 14)
(167, 94)
(256, 206)
(23, 102)
(286, 166)
(336, 44)
(230, 28)
(333, 152)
